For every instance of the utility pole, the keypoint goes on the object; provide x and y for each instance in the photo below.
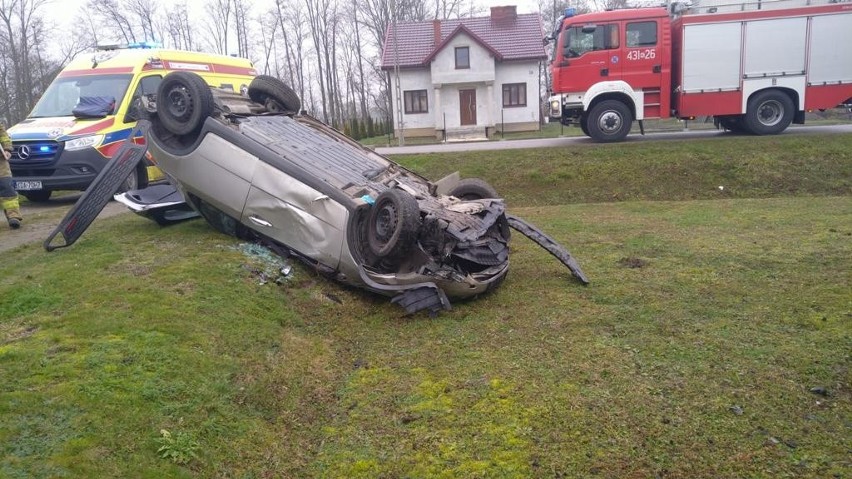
(397, 89)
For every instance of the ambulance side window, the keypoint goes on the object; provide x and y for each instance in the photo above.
(147, 86)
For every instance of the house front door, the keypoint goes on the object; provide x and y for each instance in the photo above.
(467, 105)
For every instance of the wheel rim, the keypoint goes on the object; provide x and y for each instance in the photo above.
(610, 122)
(179, 103)
(770, 112)
(386, 222)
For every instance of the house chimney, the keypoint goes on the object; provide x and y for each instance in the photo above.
(436, 25)
(508, 12)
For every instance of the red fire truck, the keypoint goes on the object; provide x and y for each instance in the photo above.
(754, 67)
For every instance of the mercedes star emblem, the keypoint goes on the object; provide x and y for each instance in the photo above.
(24, 152)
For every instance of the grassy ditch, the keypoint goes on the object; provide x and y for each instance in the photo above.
(693, 353)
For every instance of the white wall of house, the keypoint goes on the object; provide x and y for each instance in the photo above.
(451, 106)
(443, 82)
(409, 80)
(517, 72)
(443, 67)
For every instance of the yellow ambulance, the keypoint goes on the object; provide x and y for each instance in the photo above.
(88, 110)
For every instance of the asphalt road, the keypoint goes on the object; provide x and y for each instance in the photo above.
(582, 140)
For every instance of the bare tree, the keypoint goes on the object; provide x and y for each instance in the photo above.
(180, 28)
(218, 24)
(24, 71)
(143, 13)
(241, 22)
(114, 19)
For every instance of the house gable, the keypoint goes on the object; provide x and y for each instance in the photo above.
(443, 64)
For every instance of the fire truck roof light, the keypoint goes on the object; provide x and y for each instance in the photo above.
(570, 12)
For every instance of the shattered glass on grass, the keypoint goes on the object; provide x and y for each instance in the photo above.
(266, 265)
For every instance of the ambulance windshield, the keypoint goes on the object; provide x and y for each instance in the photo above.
(64, 94)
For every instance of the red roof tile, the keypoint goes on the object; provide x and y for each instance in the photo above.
(517, 38)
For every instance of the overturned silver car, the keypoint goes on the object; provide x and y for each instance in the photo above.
(255, 168)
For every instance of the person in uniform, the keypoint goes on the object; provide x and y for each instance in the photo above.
(8, 195)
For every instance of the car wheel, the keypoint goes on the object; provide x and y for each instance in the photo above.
(37, 196)
(274, 93)
(473, 189)
(394, 223)
(184, 101)
(609, 120)
(768, 113)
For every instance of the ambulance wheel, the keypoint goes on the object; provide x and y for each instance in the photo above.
(39, 196)
(769, 112)
(609, 120)
(473, 189)
(393, 225)
(276, 95)
(136, 180)
(184, 101)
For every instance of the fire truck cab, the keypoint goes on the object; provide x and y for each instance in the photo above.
(755, 68)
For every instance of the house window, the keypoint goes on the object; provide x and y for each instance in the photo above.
(514, 94)
(642, 34)
(462, 58)
(416, 101)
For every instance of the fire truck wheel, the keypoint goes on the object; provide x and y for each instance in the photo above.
(184, 101)
(609, 120)
(584, 124)
(768, 113)
(733, 123)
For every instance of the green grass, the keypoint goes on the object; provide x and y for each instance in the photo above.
(745, 167)
(742, 305)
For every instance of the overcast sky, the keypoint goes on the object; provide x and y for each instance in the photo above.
(63, 12)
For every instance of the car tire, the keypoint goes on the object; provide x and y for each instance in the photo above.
(394, 224)
(276, 95)
(768, 113)
(608, 121)
(184, 101)
(37, 196)
(473, 189)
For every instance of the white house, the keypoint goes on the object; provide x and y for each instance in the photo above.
(470, 75)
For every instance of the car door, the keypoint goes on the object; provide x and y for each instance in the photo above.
(291, 212)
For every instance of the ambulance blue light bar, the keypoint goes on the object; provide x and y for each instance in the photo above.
(146, 44)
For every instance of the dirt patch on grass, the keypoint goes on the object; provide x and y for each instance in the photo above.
(632, 262)
(41, 218)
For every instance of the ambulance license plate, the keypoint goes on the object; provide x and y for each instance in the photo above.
(27, 185)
